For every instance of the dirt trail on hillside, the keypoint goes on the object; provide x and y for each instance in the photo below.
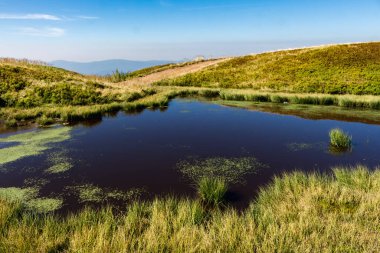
(171, 73)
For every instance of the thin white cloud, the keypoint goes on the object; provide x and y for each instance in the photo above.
(41, 32)
(87, 17)
(29, 16)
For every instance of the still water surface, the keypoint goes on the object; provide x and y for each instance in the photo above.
(129, 151)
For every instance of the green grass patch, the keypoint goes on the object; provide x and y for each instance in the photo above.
(44, 205)
(339, 69)
(28, 198)
(18, 194)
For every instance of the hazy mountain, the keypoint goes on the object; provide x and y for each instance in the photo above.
(105, 67)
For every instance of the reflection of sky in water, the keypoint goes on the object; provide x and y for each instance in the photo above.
(8, 144)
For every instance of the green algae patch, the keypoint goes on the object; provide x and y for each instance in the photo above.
(44, 205)
(95, 194)
(295, 146)
(32, 143)
(15, 194)
(60, 162)
(89, 193)
(36, 182)
(59, 168)
(231, 170)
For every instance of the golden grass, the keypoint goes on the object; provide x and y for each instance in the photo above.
(297, 212)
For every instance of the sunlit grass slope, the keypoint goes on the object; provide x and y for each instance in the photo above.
(297, 212)
(338, 69)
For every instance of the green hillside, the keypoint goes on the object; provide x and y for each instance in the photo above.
(340, 69)
(30, 84)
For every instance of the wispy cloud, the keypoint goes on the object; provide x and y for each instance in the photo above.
(29, 16)
(87, 17)
(41, 32)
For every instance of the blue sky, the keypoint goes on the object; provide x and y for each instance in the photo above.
(170, 29)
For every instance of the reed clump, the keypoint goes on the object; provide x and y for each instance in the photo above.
(340, 139)
(212, 190)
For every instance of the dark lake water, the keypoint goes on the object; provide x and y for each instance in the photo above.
(141, 150)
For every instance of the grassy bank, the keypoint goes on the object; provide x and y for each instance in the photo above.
(160, 97)
(295, 213)
(340, 69)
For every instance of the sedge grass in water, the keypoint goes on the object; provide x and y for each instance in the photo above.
(340, 139)
(212, 190)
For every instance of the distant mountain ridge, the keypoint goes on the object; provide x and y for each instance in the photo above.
(105, 67)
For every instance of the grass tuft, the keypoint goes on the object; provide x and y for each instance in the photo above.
(340, 139)
(212, 190)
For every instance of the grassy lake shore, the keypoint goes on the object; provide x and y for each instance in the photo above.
(345, 76)
(297, 212)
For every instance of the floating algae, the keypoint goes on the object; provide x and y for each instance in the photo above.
(31, 143)
(59, 168)
(295, 147)
(60, 162)
(36, 182)
(28, 197)
(232, 170)
(92, 193)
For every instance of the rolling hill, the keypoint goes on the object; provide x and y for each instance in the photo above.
(337, 69)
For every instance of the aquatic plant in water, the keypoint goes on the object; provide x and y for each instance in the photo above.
(340, 139)
(303, 146)
(28, 197)
(32, 143)
(92, 193)
(231, 170)
(60, 162)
